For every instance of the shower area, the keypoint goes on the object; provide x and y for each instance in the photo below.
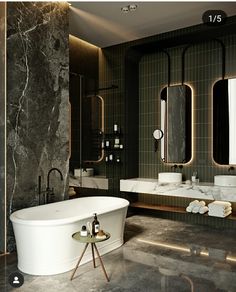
(2, 129)
(87, 111)
(87, 123)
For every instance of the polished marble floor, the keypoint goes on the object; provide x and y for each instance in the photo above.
(158, 255)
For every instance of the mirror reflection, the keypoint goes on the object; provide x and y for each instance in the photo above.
(176, 120)
(224, 121)
(92, 128)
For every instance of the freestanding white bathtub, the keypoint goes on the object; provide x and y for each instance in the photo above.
(43, 233)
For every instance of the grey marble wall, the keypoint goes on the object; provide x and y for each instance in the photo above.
(37, 101)
(2, 126)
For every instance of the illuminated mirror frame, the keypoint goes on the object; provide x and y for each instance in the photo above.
(185, 127)
(224, 122)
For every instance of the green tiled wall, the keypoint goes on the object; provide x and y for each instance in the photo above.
(203, 67)
(203, 64)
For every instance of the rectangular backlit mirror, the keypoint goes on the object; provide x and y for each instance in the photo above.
(176, 124)
(224, 121)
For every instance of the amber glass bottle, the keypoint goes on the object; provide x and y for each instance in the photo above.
(95, 225)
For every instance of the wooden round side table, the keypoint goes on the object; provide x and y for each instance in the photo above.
(90, 240)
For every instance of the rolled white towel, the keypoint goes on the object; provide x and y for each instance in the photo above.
(189, 209)
(196, 209)
(203, 209)
(202, 203)
(220, 204)
(194, 203)
(219, 215)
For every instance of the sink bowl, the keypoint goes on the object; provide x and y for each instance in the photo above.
(225, 180)
(170, 177)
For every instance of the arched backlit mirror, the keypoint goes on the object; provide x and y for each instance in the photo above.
(224, 121)
(176, 124)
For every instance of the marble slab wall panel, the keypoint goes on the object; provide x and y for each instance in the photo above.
(2, 126)
(37, 101)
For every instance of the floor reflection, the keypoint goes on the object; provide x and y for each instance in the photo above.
(158, 255)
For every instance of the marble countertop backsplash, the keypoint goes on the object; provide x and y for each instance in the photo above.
(92, 182)
(203, 191)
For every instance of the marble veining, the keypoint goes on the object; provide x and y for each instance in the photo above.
(37, 100)
(2, 125)
(202, 191)
(93, 182)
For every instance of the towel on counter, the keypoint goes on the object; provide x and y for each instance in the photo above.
(220, 210)
(194, 203)
(196, 209)
(221, 215)
(221, 204)
(189, 209)
(203, 209)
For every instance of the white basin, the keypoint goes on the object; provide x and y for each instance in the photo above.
(170, 177)
(225, 180)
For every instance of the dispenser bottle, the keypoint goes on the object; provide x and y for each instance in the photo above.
(115, 128)
(83, 231)
(95, 225)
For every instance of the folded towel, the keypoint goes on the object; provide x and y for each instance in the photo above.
(220, 203)
(222, 214)
(203, 209)
(219, 215)
(220, 210)
(189, 209)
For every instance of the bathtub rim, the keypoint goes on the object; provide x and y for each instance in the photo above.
(64, 221)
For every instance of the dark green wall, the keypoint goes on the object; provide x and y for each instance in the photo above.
(140, 71)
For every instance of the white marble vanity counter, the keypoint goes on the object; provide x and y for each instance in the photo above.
(92, 182)
(203, 191)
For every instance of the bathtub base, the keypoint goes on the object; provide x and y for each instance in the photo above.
(60, 268)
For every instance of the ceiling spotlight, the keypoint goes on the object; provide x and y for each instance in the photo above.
(125, 9)
(132, 7)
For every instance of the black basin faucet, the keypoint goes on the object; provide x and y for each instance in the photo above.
(48, 190)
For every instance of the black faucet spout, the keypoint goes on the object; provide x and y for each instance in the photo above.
(48, 177)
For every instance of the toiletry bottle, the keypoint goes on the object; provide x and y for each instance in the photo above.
(83, 231)
(115, 128)
(117, 142)
(194, 177)
(95, 225)
(197, 179)
(107, 144)
(111, 157)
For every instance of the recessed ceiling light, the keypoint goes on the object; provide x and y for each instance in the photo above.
(132, 7)
(125, 9)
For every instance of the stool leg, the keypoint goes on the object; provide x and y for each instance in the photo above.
(79, 261)
(94, 264)
(103, 268)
